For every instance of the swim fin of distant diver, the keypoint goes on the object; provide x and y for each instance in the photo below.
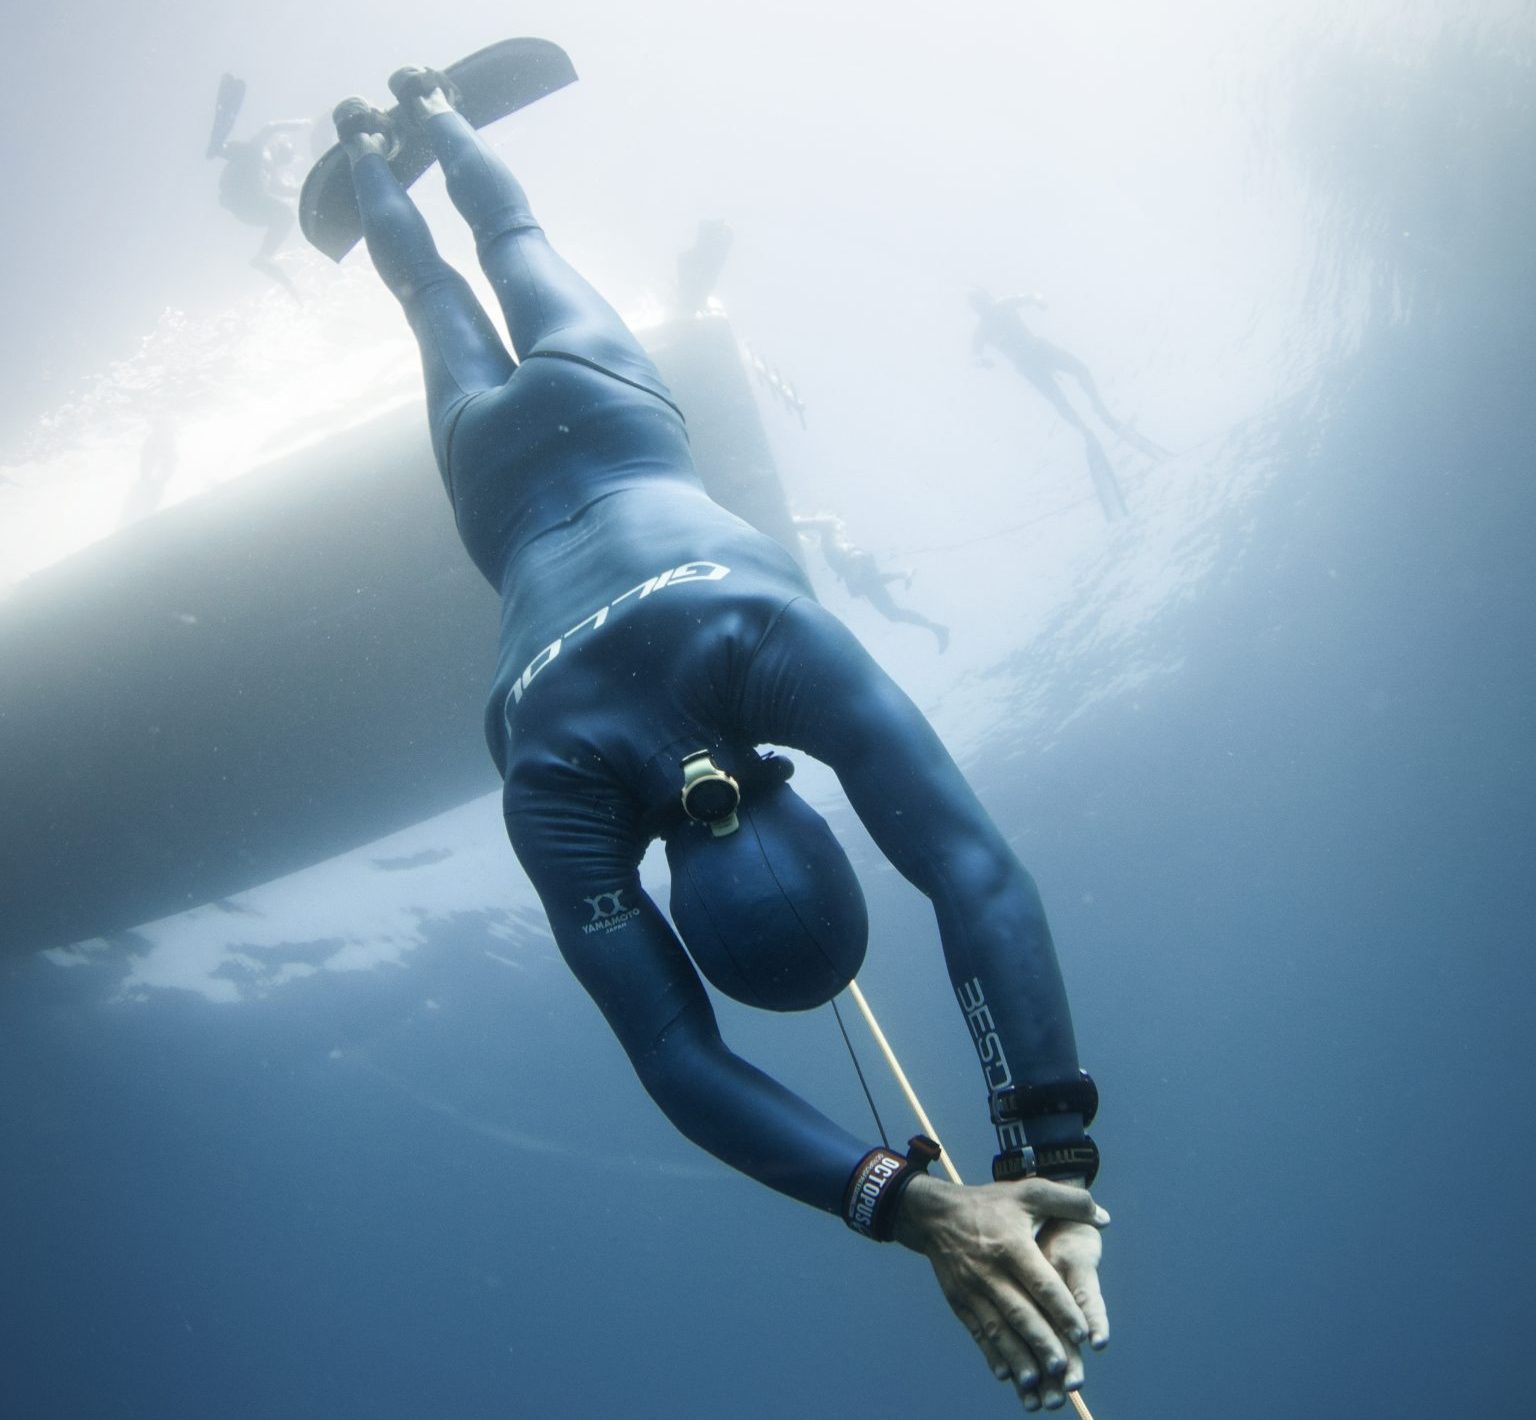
(1105, 484)
(492, 83)
(226, 110)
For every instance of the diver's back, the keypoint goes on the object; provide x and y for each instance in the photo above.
(633, 604)
(526, 459)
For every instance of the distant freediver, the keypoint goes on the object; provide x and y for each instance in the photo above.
(1000, 325)
(650, 641)
(775, 383)
(158, 460)
(861, 574)
(256, 185)
(699, 267)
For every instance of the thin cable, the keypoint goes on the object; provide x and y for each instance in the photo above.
(1045, 517)
(1078, 1403)
(858, 1070)
(901, 1078)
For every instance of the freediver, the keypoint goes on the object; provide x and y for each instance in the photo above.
(255, 186)
(1000, 324)
(699, 267)
(649, 642)
(861, 574)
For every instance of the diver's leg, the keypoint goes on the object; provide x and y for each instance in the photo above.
(1052, 393)
(1100, 470)
(811, 685)
(879, 598)
(279, 225)
(546, 302)
(1066, 363)
(1069, 364)
(461, 352)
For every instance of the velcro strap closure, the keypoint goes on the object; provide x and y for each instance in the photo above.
(874, 1191)
(1073, 1158)
(1074, 1096)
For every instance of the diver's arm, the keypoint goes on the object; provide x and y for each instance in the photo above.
(627, 957)
(1017, 1261)
(821, 691)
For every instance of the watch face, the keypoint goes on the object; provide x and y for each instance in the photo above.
(712, 800)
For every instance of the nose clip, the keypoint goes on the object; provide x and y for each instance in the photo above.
(710, 795)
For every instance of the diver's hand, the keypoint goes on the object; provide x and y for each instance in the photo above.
(1029, 1305)
(1074, 1249)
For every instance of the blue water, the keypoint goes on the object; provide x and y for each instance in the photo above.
(1292, 879)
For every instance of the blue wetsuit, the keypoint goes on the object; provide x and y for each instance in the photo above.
(641, 622)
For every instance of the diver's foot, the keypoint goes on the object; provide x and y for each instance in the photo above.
(362, 129)
(941, 635)
(423, 92)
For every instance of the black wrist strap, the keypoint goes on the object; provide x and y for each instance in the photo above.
(1072, 1158)
(1078, 1095)
(874, 1191)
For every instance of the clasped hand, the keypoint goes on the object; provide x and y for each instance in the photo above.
(1019, 1265)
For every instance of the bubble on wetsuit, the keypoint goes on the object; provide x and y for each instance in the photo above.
(772, 914)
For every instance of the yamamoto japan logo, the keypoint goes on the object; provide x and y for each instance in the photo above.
(672, 577)
(608, 912)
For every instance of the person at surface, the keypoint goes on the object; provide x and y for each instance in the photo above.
(1000, 326)
(650, 643)
(255, 188)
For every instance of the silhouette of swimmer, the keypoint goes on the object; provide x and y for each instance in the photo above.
(861, 574)
(1000, 325)
(158, 460)
(650, 643)
(256, 185)
(699, 268)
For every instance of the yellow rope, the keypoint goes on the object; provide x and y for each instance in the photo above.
(901, 1077)
(859, 1000)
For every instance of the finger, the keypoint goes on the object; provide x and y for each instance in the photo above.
(1053, 1389)
(1052, 1297)
(994, 1358)
(1049, 1199)
(1083, 1282)
(1010, 1344)
(1074, 1376)
(1030, 1325)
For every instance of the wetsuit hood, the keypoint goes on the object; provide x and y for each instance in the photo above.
(771, 914)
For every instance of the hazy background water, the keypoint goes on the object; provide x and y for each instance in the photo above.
(355, 1144)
